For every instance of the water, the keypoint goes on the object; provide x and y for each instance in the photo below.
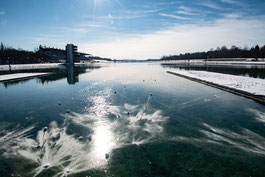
(150, 123)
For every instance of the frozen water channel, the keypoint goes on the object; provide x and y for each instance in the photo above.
(127, 119)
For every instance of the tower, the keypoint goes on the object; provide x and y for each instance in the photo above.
(71, 53)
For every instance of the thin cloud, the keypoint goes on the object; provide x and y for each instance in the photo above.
(234, 2)
(185, 12)
(182, 39)
(3, 22)
(174, 16)
(95, 26)
(211, 5)
(142, 11)
(91, 25)
(79, 30)
(186, 9)
(163, 3)
(47, 39)
(232, 15)
(2, 12)
(152, 11)
(71, 29)
(191, 11)
(115, 17)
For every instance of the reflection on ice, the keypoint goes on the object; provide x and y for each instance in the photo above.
(104, 141)
(58, 150)
(61, 151)
(260, 116)
(66, 154)
(245, 140)
(136, 128)
(10, 141)
(54, 148)
(99, 100)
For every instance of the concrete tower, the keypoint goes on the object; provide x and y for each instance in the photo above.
(71, 53)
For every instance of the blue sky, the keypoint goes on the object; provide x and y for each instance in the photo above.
(137, 29)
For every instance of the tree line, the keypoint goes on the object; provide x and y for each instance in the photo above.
(223, 52)
(9, 55)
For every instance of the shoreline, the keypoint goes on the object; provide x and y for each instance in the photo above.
(258, 98)
(15, 67)
(214, 62)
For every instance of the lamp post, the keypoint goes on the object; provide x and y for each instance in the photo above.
(9, 63)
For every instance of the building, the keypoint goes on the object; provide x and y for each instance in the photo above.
(70, 55)
(52, 54)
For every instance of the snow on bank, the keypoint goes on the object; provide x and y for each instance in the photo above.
(247, 84)
(30, 66)
(216, 62)
(9, 77)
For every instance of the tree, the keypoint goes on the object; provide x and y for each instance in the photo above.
(246, 47)
(2, 47)
(36, 49)
(224, 48)
(257, 51)
(223, 52)
(262, 52)
(233, 47)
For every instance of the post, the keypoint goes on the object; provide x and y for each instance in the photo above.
(9, 64)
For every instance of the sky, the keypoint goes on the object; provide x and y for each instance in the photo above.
(132, 29)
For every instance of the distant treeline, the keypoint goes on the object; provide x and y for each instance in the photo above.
(223, 52)
(98, 58)
(9, 55)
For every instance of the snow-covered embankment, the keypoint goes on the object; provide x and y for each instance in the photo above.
(20, 76)
(253, 88)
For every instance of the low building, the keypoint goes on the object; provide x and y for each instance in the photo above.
(52, 54)
(69, 55)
